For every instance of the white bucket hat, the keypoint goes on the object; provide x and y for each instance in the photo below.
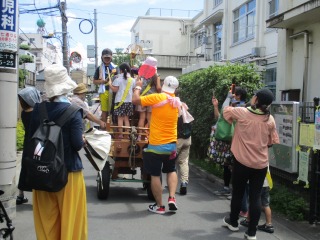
(170, 84)
(57, 81)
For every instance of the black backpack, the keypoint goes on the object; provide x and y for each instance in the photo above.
(44, 161)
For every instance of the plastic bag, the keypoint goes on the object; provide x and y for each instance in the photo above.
(98, 147)
(224, 130)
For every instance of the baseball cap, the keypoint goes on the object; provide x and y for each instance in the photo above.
(106, 53)
(170, 84)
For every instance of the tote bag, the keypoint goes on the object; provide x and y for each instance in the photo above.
(224, 130)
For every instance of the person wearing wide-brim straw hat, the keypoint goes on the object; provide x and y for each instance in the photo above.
(78, 98)
(56, 212)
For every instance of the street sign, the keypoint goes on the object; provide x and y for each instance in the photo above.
(90, 51)
(9, 26)
(7, 60)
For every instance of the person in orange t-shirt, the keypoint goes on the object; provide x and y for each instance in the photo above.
(161, 150)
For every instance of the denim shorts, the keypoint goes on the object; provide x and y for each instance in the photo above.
(154, 163)
(265, 197)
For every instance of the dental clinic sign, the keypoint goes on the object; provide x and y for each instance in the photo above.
(9, 26)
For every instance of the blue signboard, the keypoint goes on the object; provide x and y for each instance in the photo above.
(8, 25)
(8, 15)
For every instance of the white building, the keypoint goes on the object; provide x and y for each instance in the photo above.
(232, 31)
(45, 52)
(29, 67)
(236, 31)
(298, 24)
(166, 35)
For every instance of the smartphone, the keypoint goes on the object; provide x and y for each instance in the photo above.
(233, 88)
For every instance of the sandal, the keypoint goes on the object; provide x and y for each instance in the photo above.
(21, 200)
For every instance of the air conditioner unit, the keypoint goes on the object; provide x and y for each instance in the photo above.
(258, 52)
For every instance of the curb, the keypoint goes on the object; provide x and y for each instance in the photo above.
(199, 171)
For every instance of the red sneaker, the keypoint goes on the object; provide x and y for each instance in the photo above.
(172, 204)
(156, 209)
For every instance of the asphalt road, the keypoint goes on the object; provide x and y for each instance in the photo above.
(124, 214)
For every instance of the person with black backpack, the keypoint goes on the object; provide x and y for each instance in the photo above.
(56, 129)
(183, 151)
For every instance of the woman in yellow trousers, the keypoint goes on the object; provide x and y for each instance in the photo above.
(62, 215)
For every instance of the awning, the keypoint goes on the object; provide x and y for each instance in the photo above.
(213, 18)
(303, 14)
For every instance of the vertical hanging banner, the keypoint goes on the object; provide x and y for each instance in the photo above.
(8, 26)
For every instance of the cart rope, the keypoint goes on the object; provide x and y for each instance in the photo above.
(133, 135)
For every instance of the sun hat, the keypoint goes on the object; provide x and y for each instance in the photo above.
(30, 95)
(106, 53)
(170, 84)
(148, 68)
(81, 88)
(57, 81)
(265, 96)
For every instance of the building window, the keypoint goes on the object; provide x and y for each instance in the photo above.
(136, 39)
(273, 8)
(243, 23)
(270, 78)
(216, 2)
(217, 35)
(198, 38)
(31, 40)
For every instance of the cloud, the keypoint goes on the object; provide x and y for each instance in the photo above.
(120, 28)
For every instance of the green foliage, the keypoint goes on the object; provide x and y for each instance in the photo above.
(196, 90)
(288, 203)
(24, 46)
(120, 57)
(20, 135)
(22, 77)
(25, 59)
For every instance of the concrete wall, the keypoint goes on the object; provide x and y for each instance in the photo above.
(168, 34)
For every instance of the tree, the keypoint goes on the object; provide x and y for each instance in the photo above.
(196, 90)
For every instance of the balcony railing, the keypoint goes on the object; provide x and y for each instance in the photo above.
(165, 12)
(168, 61)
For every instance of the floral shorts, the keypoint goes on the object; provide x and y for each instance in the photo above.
(126, 109)
(219, 151)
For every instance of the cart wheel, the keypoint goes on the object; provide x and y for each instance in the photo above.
(103, 182)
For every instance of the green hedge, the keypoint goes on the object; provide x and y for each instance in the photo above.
(196, 90)
(20, 135)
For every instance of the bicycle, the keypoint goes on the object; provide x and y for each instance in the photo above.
(5, 233)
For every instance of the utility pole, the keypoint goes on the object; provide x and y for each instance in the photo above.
(64, 20)
(9, 72)
(95, 39)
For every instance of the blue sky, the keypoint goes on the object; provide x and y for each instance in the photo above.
(115, 19)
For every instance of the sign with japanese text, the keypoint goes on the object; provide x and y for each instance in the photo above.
(316, 144)
(8, 25)
(7, 60)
